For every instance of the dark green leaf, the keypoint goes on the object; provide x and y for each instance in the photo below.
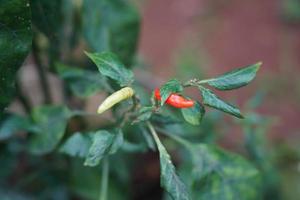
(168, 177)
(103, 143)
(172, 86)
(144, 114)
(15, 43)
(133, 147)
(223, 175)
(111, 26)
(12, 124)
(148, 138)
(235, 79)
(47, 17)
(77, 145)
(51, 122)
(83, 83)
(118, 141)
(212, 100)
(194, 114)
(109, 65)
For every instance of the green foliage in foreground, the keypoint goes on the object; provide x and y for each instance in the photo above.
(53, 152)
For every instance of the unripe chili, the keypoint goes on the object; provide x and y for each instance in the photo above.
(175, 100)
(115, 98)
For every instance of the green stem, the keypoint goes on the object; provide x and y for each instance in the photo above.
(174, 137)
(153, 132)
(195, 82)
(104, 180)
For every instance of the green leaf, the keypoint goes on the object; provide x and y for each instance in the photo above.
(194, 114)
(118, 141)
(83, 83)
(111, 26)
(235, 79)
(12, 124)
(51, 122)
(168, 177)
(15, 43)
(148, 139)
(109, 65)
(77, 145)
(144, 114)
(47, 17)
(103, 143)
(130, 147)
(222, 175)
(212, 100)
(172, 86)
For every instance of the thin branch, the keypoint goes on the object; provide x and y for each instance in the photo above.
(154, 133)
(174, 137)
(104, 180)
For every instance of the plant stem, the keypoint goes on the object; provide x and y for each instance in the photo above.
(104, 180)
(154, 134)
(42, 74)
(174, 137)
(195, 82)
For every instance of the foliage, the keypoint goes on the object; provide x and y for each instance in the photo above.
(291, 10)
(55, 153)
(15, 41)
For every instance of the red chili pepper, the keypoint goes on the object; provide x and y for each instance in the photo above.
(175, 100)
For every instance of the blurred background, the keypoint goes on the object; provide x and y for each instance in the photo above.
(216, 36)
(205, 38)
(210, 37)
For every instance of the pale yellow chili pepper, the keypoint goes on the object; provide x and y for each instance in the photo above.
(115, 98)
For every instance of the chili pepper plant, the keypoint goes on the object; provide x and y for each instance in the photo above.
(57, 151)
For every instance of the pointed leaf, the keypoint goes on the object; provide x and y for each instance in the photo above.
(235, 79)
(12, 124)
(77, 145)
(172, 86)
(223, 175)
(194, 114)
(118, 141)
(83, 83)
(111, 26)
(51, 122)
(212, 100)
(144, 114)
(168, 178)
(109, 65)
(103, 143)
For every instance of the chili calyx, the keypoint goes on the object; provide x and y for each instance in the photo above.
(175, 100)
